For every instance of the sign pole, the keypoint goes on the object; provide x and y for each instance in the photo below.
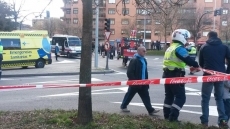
(107, 35)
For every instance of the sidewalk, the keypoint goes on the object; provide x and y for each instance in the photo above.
(50, 70)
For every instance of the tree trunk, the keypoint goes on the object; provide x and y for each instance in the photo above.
(85, 99)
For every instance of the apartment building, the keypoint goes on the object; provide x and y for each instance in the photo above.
(121, 25)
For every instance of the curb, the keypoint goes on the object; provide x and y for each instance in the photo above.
(57, 74)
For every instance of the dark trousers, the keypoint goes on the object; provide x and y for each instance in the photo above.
(56, 56)
(143, 93)
(174, 97)
(125, 60)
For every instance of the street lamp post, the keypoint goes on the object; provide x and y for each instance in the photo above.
(144, 23)
(214, 22)
(96, 35)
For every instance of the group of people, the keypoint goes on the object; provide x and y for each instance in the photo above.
(156, 45)
(213, 56)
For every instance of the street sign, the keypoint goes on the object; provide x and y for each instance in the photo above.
(107, 35)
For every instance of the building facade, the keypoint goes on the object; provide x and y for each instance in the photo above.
(134, 19)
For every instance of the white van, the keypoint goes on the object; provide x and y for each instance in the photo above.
(68, 45)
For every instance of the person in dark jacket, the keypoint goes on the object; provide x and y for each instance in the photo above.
(137, 70)
(56, 51)
(212, 57)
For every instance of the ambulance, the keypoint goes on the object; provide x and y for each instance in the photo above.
(25, 48)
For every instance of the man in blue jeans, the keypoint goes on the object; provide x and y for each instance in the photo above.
(137, 70)
(212, 57)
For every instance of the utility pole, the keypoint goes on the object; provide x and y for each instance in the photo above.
(96, 34)
(144, 23)
(48, 18)
(214, 20)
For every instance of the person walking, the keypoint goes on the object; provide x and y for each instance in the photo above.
(192, 53)
(57, 51)
(212, 57)
(137, 70)
(175, 59)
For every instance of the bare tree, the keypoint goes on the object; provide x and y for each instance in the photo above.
(225, 33)
(196, 22)
(167, 20)
(85, 98)
(52, 25)
(5, 17)
(129, 27)
(17, 11)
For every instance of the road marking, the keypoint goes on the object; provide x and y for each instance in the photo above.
(4, 79)
(212, 109)
(156, 59)
(66, 80)
(64, 62)
(94, 92)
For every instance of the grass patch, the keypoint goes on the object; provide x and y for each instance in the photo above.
(155, 53)
(60, 119)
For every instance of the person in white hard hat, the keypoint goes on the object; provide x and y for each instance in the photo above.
(175, 59)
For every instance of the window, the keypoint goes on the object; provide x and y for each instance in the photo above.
(75, 11)
(68, 11)
(208, 0)
(94, 21)
(127, 1)
(125, 11)
(75, 21)
(157, 22)
(140, 11)
(142, 21)
(225, 11)
(156, 32)
(112, 21)
(124, 32)
(224, 23)
(10, 44)
(208, 9)
(112, 31)
(68, 1)
(111, 11)
(68, 20)
(112, 1)
(225, 1)
(125, 21)
(205, 33)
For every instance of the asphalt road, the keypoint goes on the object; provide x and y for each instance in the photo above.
(107, 99)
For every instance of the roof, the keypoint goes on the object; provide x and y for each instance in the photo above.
(61, 35)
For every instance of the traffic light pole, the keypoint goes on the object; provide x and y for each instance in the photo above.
(96, 35)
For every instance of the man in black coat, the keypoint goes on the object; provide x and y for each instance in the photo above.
(212, 57)
(137, 70)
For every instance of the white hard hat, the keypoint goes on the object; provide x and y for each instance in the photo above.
(192, 44)
(181, 35)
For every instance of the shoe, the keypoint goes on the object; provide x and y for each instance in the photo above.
(125, 110)
(223, 124)
(191, 73)
(153, 112)
(204, 125)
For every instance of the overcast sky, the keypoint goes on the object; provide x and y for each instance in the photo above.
(37, 6)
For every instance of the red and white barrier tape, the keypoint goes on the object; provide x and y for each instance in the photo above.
(215, 77)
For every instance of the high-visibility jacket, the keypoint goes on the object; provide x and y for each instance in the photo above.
(171, 61)
(1, 49)
(192, 53)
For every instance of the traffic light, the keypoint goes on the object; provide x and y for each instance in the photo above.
(218, 12)
(221, 11)
(107, 25)
(47, 14)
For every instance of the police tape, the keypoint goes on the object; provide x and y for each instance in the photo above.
(214, 77)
